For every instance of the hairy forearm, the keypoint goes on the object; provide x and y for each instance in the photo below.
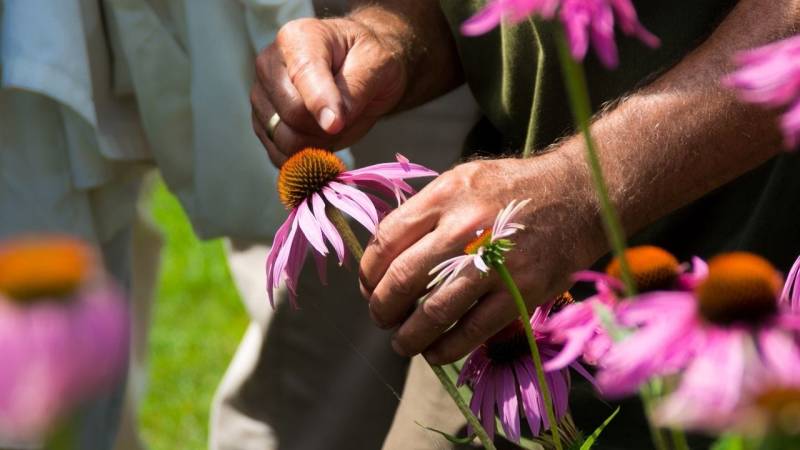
(419, 32)
(685, 134)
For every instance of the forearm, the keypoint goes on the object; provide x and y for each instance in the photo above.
(419, 32)
(685, 134)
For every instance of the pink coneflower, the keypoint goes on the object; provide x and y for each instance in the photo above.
(502, 375)
(584, 21)
(312, 180)
(770, 76)
(580, 326)
(63, 332)
(705, 333)
(488, 247)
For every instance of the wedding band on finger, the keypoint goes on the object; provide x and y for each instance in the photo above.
(272, 125)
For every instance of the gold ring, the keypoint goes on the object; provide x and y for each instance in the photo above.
(273, 123)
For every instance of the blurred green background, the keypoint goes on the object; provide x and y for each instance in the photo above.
(198, 320)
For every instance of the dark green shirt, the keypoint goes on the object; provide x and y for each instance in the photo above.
(514, 74)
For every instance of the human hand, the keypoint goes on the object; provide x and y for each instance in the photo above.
(328, 80)
(563, 234)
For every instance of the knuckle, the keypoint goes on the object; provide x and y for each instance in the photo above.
(437, 313)
(397, 278)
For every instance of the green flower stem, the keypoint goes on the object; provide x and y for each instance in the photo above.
(578, 91)
(525, 318)
(355, 248)
(678, 439)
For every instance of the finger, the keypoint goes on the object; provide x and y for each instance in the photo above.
(439, 312)
(370, 82)
(406, 278)
(309, 63)
(275, 156)
(491, 314)
(395, 233)
(282, 94)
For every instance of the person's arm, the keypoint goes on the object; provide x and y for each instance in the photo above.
(330, 80)
(661, 147)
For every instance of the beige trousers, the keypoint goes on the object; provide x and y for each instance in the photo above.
(324, 377)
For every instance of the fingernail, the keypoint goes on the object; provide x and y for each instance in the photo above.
(326, 118)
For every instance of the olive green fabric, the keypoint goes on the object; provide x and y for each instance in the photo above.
(514, 74)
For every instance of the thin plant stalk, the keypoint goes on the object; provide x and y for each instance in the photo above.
(357, 250)
(525, 318)
(578, 93)
(678, 439)
(575, 80)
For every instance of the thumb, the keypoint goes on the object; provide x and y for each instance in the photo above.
(307, 53)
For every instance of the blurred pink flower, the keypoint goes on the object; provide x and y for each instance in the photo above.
(580, 327)
(314, 179)
(584, 21)
(704, 334)
(770, 76)
(503, 378)
(63, 332)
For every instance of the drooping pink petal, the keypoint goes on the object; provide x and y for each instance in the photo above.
(351, 207)
(791, 289)
(530, 398)
(275, 266)
(487, 405)
(327, 228)
(311, 228)
(507, 403)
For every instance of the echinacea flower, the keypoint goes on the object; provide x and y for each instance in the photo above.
(488, 247)
(580, 327)
(706, 334)
(770, 76)
(311, 181)
(503, 378)
(63, 332)
(584, 21)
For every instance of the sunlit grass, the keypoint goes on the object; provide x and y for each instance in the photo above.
(198, 320)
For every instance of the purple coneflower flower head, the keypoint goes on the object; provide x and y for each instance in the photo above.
(312, 180)
(770, 76)
(63, 332)
(705, 334)
(579, 325)
(503, 379)
(584, 21)
(487, 249)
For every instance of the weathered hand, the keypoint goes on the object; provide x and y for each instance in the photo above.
(562, 234)
(329, 80)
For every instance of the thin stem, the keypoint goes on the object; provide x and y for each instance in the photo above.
(451, 389)
(655, 434)
(581, 109)
(678, 439)
(349, 238)
(525, 318)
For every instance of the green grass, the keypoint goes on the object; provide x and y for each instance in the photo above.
(198, 320)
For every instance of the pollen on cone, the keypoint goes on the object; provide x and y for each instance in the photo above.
(481, 240)
(43, 266)
(305, 173)
(740, 287)
(652, 267)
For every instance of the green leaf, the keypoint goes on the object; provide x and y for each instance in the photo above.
(590, 441)
(454, 439)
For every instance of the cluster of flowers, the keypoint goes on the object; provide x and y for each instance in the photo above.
(63, 332)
